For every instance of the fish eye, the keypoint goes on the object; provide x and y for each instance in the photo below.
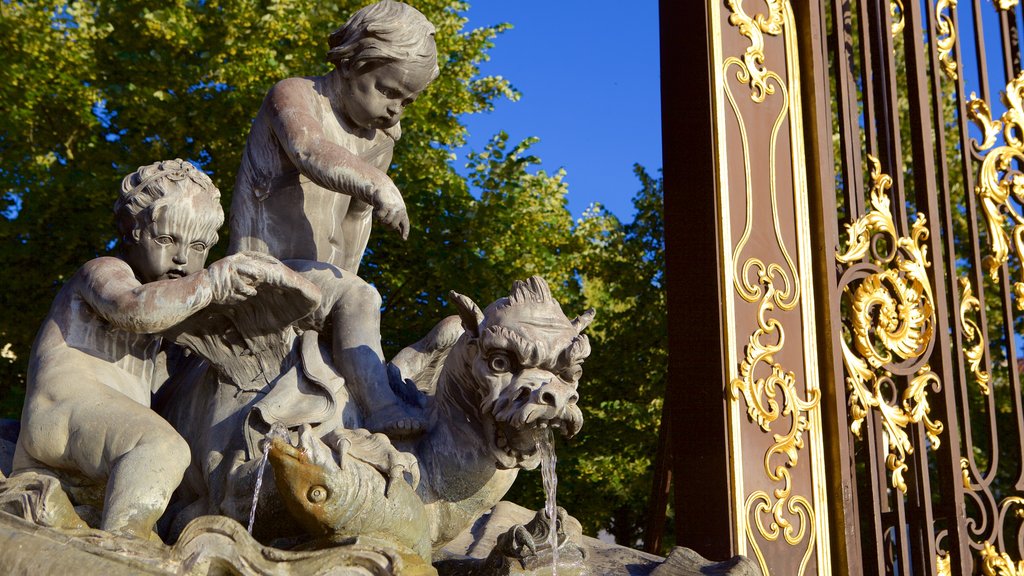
(499, 362)
(317, 494)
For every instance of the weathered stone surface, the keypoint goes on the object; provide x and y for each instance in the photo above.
(685, 562)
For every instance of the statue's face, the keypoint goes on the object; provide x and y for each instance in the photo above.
(377, 98)
(173, 246)
(530, 365)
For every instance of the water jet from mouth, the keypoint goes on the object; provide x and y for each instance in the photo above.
(546, 446)
(276, 431)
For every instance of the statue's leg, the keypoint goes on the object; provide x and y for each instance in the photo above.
(353, 309)
(141, 456)
(357, 354)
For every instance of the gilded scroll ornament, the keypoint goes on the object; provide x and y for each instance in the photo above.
(994, 563)
(978, 111)
(1006, 4)
(768, 399)
(998, 182)
(896, 14)
(945, 37)
(754, 28)
(974, 349)
(942, 567)
(892, 322)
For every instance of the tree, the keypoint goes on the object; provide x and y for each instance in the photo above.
(94, 89)
(610, 462)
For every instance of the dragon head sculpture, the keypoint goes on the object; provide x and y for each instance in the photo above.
(519, 362)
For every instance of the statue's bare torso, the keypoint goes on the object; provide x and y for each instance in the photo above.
(288, 213)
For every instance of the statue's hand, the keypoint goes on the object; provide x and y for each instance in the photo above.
(389, 207)
(235, 277)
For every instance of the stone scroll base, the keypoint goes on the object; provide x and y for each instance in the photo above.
(210, 545)
(40, 533)
(214, 545)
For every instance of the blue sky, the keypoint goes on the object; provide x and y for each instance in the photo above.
(588, 73)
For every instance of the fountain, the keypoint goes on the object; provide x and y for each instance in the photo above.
(546, 446)
(189, 380)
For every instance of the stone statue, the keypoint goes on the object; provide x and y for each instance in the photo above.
(493, 383)
(158, 390)
(96, 360)
(313, 173)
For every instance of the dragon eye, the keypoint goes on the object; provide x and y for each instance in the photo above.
(499, 362)
(317, 494)
(572, 374)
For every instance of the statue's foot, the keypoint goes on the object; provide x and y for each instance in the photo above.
(395, 422)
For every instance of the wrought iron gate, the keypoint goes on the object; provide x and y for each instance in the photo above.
(867, 161)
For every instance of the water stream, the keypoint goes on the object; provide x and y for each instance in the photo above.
(276, 431)
(547, 472)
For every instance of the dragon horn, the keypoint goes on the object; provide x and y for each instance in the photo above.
(469, 312)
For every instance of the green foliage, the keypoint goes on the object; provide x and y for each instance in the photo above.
(608, 467)
(94, 89)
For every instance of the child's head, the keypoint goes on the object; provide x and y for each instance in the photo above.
(385, 32)
(167, 215)
(386, 54)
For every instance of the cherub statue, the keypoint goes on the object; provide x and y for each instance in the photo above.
(312, 178)
(94, 365)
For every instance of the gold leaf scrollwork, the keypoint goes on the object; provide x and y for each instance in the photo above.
(892, 321)
(945, 38)
(978, 111)
(974, 351)
(896, 13)
(942, 567)
(1006, 4)
(754, 28)
(994, 563)
(769, 399)
(998, 183)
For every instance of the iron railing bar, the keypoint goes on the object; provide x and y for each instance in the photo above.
(979, 43)
(1009, 333)
(922, 518)
(948, 454)
(974, 257)
(867, 72)
(903, 537)
(960, 386)
(944, 187)
(847, 545)
(849, 130)
(877, 487)
(889, 140)
(1011, 53)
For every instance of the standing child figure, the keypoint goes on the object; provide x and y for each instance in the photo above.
(94, 366)
(312, 178)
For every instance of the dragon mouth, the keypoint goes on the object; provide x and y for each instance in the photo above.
(520, 442)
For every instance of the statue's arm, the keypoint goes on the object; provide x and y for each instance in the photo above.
(326, 162)
(111, 289)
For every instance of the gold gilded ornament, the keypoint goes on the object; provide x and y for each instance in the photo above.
(974, 351)
(945, 37)
(994, 563)
(896, 14)
(892, 322)
(754, 28)
(998, 183)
